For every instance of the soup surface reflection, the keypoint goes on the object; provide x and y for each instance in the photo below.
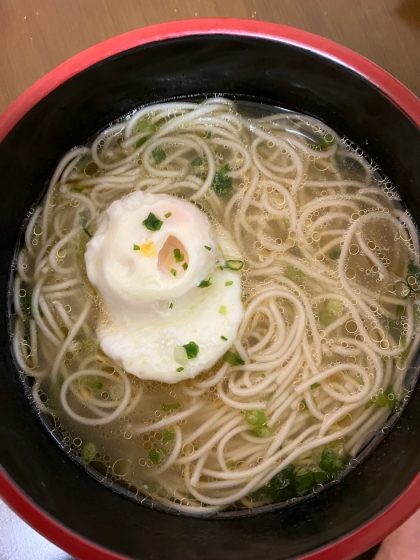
(303, 309)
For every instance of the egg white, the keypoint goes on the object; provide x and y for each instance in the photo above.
(147, 310)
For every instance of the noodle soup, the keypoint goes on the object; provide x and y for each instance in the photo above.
(324, 322)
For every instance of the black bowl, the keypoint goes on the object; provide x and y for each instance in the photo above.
(249, 61)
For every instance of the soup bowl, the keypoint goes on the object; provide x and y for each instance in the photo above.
(249, 61)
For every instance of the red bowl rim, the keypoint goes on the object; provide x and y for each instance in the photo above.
(408, 502)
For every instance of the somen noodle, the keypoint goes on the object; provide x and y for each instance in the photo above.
(330, 279)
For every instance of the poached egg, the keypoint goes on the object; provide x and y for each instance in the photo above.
(170, 307)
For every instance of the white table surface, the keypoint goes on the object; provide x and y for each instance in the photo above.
(19, 542)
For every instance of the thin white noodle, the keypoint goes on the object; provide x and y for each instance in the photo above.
(285, 225)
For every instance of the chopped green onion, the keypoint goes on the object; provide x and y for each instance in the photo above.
(381, 400)
(222, 184)
(320, 477)
(178, 256)
(287, 223)
(171, 305)
(414, 269)
(326, 143)
(307, 479)
(223, 310)
(304, 482)
(26, 304)
(158, 455)
(151, 487)
(142, 141)
(152, 223)
(89, 452)
(233, 265)
(261, 432)
(179, 369)
(197, 162)
(314, 140)
(230, 464)
(185, 266)
(334, 255)
(392, 323)
(417, 316)
(305, 406)
(207, 134)
(168, 215)
(283, 483)
(331, 462)
(207, 247)
(392, 399)
(167, 435)
(143, 125)
(96, 385)
(315, 386)
(136, 247)
(294, 274)
(170, 407)
(192, 349)
(204, 283)
(90, 344)
(403, 289)
(413, 282)
(404, 355)
(159, 154)
(87, 232)
(180, 355)
(388, 398)
(54, 394)
(255, 417)
(331, 313)
(233, 359)
(223, 338)
(173, 272)
(281, 487)
(229, 283)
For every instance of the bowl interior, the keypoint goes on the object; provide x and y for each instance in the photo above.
(247, 68)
